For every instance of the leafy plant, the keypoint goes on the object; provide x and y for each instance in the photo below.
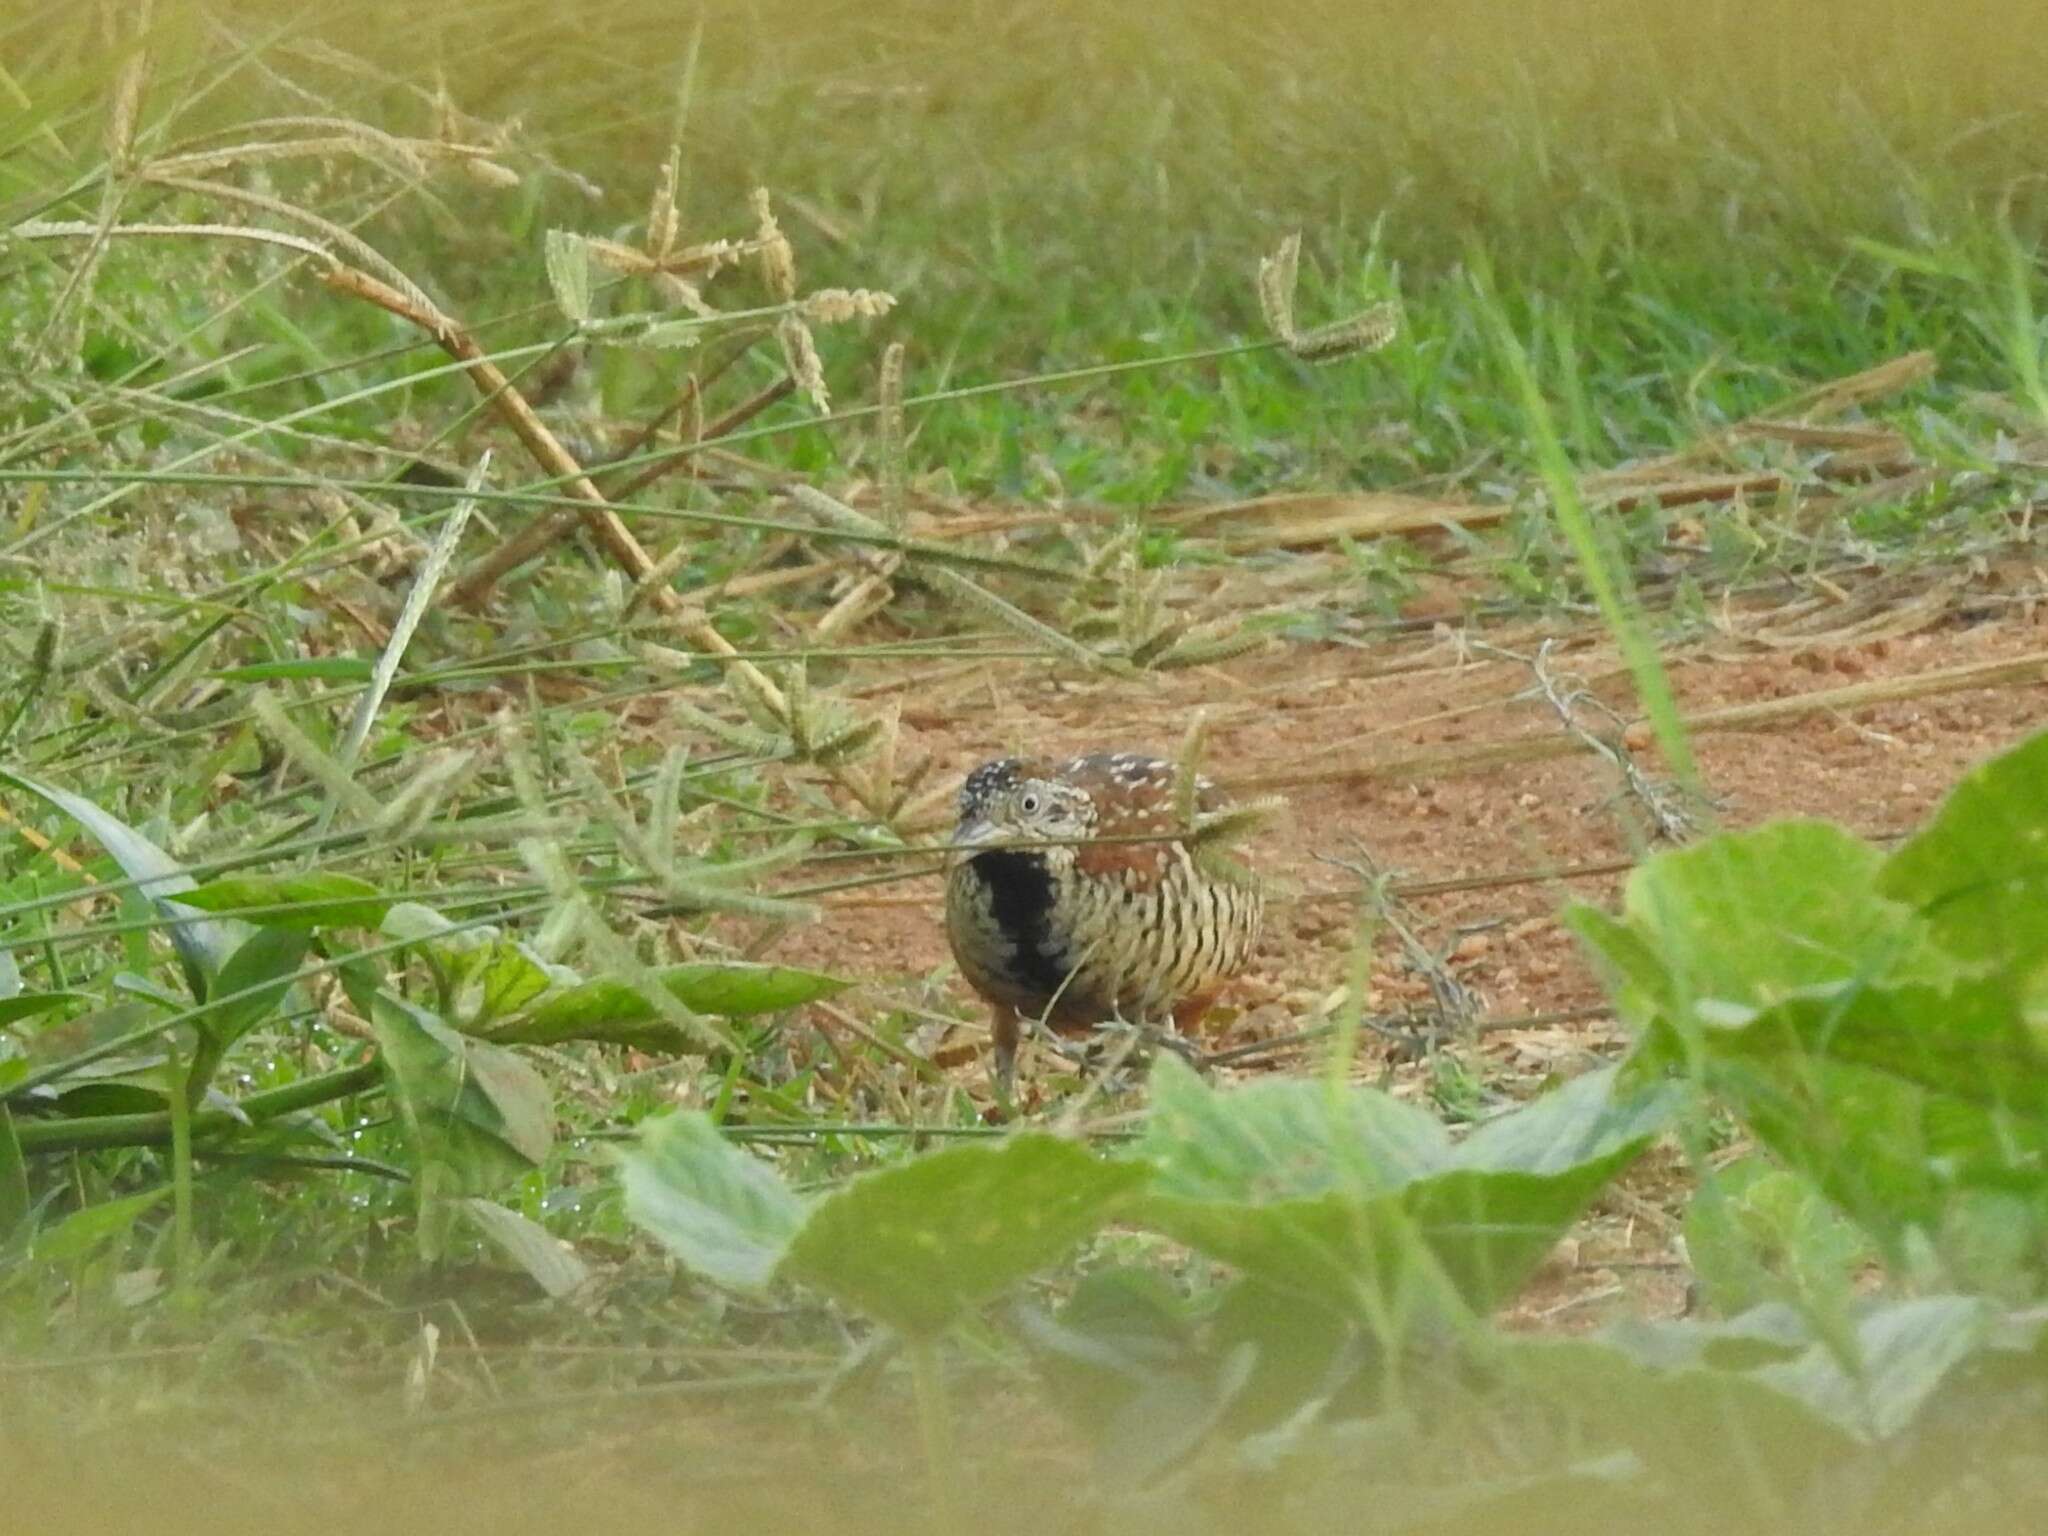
(1361, 1204)
(1876, 1044)
(1869, 1019)
(915, 1246)
(476, 1115)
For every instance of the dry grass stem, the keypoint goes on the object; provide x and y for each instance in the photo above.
(2020, 671)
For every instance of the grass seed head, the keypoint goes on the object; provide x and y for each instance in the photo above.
(835, 306)
(800, 355)
(894, 468)
(1277, 276)
(663, 222)
(1366, 332)
(778, 257)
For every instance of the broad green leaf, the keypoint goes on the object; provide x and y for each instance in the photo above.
(1994, 1243)
(1167, 1420)
(414, 922)
(249, 987)
(1978, 872)
(1904, 1350)
(261, 969)
(150, 989)
(1489, 1230)
(1299, 1355)
(553, 1264)
(1282, 1138)
(1896, 1101)
(339, 669)
(1688, 1426)
(1348, 1254)
(53, 1045)
(721, 1210)
(920, 1244)
(140, 1093)
(478, 1115)
(486, 975)
(1972, 1041)
(83, 1233)
(1354, 1200)
(1762, 1335)
(1635, 977)
(1525, 1176)
(494, 980)
(203, 943)
(1121, 1323)
(29, 1004)
(1757, 1234)
(1587, 1119)
(1123, 1362)
(612, 1010)
(1745, 919)
(1445, 1245)
(319, 900)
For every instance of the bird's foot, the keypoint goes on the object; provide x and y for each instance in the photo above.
(1118, 1047)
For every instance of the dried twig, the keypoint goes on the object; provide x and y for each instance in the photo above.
(2019, 671)
(1403, 1027)
(1572, 700)
(547, 450)
(1455, 1004)
(540, 442)
(729, 423)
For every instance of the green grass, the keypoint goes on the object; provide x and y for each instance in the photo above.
(1689, 218)
(1613, 228)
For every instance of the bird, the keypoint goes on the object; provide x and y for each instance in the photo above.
(1074, 896)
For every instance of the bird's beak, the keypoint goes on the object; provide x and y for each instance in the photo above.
(971, 838)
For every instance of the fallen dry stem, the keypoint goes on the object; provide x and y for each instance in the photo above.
(2032, 668)
(1456, 1007)
(730, 422)
(1403, 1025)
(1829, 399)
(542, 444)
(689, 398)
(546, 449)
(1297, 520)
(1570, 698)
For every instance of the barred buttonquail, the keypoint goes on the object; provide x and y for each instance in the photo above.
(1090, 931)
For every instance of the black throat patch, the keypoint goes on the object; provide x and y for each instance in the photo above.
(1021, 888)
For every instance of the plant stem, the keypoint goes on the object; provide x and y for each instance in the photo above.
(935, 1425)
(1606, 576)
(181, 1170)
(147, 1130)
(14, 1200)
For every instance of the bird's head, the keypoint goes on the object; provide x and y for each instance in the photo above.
(1013, 801)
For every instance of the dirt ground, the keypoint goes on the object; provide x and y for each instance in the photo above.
(1372, 745)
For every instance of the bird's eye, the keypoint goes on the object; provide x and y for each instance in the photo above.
(1028, 802)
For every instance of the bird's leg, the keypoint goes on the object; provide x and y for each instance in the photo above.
(1187, 1014)
(1003, 1073)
